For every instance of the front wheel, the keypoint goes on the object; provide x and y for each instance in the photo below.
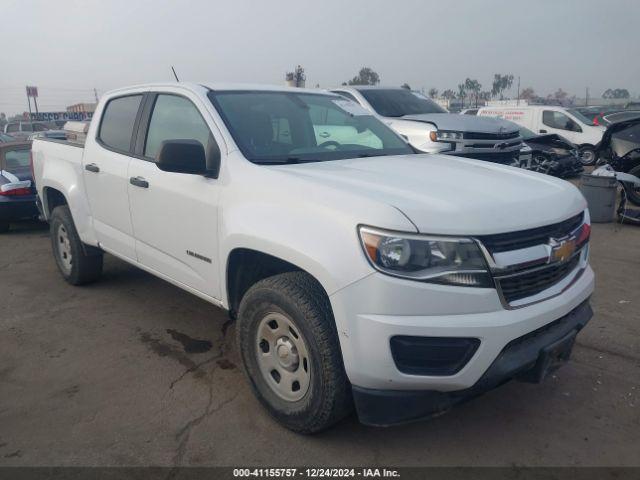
(289, 347)
(78, 264)
(587, 155)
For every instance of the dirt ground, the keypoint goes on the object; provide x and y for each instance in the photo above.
(134, 371)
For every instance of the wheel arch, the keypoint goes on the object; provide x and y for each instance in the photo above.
(247, 266)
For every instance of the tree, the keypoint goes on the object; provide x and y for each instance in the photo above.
(560, 95)
(297, 77)
(448, 94)
(462, 93)
(433, 92)
(616, 93)
(473, 86)
(528, 94)
(366, 76)
(500, 84)
(405, 86)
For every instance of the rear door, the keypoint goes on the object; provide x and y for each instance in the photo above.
(175, 215)
(105, 170)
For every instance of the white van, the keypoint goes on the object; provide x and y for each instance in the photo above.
(546, 119)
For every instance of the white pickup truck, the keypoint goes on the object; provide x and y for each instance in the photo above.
(359, 272)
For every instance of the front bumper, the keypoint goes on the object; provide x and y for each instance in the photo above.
(369, 312)
(521, 357)
(18, 208)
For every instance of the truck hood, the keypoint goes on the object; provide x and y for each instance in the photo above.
(449, 195)
(466, 123)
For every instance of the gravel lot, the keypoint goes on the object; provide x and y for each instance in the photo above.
(133, 371)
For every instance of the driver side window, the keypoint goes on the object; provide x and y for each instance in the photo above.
(175, 118)
(559, 120)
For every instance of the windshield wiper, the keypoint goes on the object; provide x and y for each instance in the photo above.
(286, 161)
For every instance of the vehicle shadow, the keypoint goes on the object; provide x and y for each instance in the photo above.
(26, 226)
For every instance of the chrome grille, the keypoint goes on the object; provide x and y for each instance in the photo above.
(504, 242)
(490, 136)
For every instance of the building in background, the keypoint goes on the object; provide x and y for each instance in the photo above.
(82, 108)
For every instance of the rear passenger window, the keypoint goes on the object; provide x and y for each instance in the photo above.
(119, 116)
(175, 118)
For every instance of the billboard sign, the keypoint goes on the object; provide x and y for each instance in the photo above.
(49, 116)
(32, 92)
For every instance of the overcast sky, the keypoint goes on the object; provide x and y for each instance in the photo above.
(67, 48)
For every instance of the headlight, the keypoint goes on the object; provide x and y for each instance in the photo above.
(445, 260)
(444, 136)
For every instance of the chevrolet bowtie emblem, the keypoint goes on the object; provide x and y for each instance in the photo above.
(562, 250)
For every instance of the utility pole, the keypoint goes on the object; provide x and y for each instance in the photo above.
(518, 98)
(586, 98)
(95, 94)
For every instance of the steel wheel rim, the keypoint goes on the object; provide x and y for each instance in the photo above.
(63, 246)
(283, 357)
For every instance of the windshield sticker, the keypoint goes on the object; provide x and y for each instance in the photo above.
(352, 108)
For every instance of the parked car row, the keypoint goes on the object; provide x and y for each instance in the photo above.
(362, 273)
(544, 119)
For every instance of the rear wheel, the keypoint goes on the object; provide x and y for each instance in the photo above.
(289, 347)
(78, 263)
(587, 155)
(632, 191)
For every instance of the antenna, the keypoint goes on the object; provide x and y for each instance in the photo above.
(174, 73)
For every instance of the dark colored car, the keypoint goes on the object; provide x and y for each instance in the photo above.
(620, 148)
(552, 154)
(4, 138)
(596, 114)
(17, 191)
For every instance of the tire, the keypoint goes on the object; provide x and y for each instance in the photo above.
(633, 193)
(306, 330)
(4, 227)
(79, 264)
(587, 155)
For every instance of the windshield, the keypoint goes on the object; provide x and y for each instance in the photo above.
(398, 102)
(287, 127)
(580, 116)
(526, 133)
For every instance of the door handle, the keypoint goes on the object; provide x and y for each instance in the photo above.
(543, 131)
(139, 182)
(92, 167)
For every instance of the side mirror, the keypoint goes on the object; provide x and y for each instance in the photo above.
(188, 156)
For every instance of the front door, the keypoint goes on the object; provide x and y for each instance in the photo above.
(175, 215)
(560, 123)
